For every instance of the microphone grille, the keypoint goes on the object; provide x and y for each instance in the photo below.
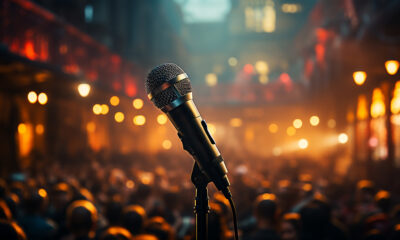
(162, 74)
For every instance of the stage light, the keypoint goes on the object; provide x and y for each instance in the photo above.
(97, 109)
(119, 117)
(42, 98)
(139, 120)
(303, 143)
(314, 120)
(211, 79)
(392, 66)
(104, 109)
(235, 122)
(32, 97)
(22, 128)
(137, 103)
(343, 138)
(273, 128)
(290, 131)
(359, 77)
(90, 127)
(114, 101)
(297, 123)
(166, 144)
(84, 89)
(232, 61)
(39, 129)
(162, 119)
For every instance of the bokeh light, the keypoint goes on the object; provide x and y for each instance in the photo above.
(137, 103)
(162, 119)
(22, 128)
(90, 127)
(39, 129)
(166, 144)
(84, 89)
(297, 123)
(211, 79)
(139, 120)
(273, 128)
(235, 122)
(32, 97)
(104, 109)
(114, 101)
(97, 109)
(303, 143)
(119, 117)
(392, 66)
(359, 77)
(314, 120)
(42, 98)
(291, 131)
(343, 138)
(232, 61)
(331, 123)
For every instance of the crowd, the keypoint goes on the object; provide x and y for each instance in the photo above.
(148, 200)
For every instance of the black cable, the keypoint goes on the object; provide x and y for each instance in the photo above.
(234, 218)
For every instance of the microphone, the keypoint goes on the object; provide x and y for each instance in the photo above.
(168, 87)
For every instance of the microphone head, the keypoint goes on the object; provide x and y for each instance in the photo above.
(161, 74)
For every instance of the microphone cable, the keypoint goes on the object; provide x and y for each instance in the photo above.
(235, 227)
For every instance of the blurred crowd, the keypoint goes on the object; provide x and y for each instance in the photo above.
(153, 200)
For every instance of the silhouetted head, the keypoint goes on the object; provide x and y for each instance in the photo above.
(290, 226)
(113, 211)
(10, 230)
(217, 227)
(133, 218)
(265, 208)
(159, 228)
(116, 233)
(82, 218)
(35, 200)
(382, 200)
(162, 74)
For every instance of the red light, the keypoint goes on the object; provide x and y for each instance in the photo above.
(92, 75)
(320, 52)
(285, 78)
(29, 50)
(130, 89)
(248, 68)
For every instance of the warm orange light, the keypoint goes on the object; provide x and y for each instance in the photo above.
(130, 184)
(235, 122)
(104, 109)
(119, 117)
(314, 120)
(343, 138)
(22, 128)
(362, 108)
(42, 193)
(297, 123)
(162, 119)
(39, 129)
(97, 109)
(392, 66)
(137, 103)
(114, 101)
(90, 127)
(84, 89)
(290, 131)
(273, 128)
(32, 97)
(331, 123)
(166, 144)
(42, 98)
(276, 151)
(303, 143)
(211, 128)
(261, 67)
(395, 103)
(378, 103)
(139, 120)
(359, 77)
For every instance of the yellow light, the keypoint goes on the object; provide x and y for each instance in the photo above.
(273, 128)
(331, 123)
(137, 103)
(297, 123)
(90, 127)
(119, 117)
(378, 103)
(39, 129)
(395, 103)
(22, 128)
(42, 98)
(314, 120)
(359, 77)
(211, 79)
(104, 109)
(84, 89)
(114, 101)
(303, 143)
(263, 79)
(97, 109)
(162, 119)
(130, 184)
(232, 61)
(139, 120)
(262, 67)
(290, 131)
(166, 144)
(211, 128)
(32, 97)
(276, 151)
(235, 122)
(362, 108)
(392, 66)
(291, 8)
(42, 193)
(343, 138)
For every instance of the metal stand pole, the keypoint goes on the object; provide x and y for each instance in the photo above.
(201, 207)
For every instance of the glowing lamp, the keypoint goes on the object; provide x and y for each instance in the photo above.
(42, 98)
(32, 97)
(359, 77)
(139, 120)
(137, 103)
(114, 101)
(343, 138)
(84, 89)
(392, 66)
(297, 123)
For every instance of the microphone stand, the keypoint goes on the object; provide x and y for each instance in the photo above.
(201, 207)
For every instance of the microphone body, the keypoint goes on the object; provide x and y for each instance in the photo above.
(169, 89)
